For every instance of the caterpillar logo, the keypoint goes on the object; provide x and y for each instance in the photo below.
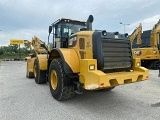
(137, 52)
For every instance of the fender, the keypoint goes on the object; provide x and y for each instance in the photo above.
(69, 58)
(43, 62)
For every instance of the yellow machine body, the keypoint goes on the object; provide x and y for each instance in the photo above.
(83, 58)
(30, 64)
(42, 58)
(96, 79)
(80, 60)
(43, 63)
(68, 55)
(149, 53)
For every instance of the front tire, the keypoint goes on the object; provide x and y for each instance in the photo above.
(60, 86)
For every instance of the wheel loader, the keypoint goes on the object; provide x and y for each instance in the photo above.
(85, 59)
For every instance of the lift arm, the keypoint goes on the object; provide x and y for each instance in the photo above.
(39, 46)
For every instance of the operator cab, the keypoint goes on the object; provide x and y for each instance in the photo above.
(62, 29)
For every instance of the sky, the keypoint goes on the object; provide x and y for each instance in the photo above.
(22, 19)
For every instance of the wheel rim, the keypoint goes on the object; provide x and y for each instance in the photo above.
(54, 80)
(35, 71)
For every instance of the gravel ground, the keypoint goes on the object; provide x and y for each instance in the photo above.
(22, 99)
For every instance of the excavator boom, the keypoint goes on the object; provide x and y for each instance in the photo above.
(154, 38)
(137, 34)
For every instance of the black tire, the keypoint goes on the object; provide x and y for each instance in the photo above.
(107, 89)
(39, 75)
(155, 65)
(64, 89)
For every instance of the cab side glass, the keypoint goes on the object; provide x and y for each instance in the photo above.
(50, 29)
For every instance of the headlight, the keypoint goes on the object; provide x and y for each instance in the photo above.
(92, 67)
(154, 51)
(137, 52)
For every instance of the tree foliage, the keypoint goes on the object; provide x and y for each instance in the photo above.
(13, 51)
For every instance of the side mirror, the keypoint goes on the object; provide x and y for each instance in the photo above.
(50, 29)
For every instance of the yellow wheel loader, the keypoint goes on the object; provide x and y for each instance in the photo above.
(88, 59)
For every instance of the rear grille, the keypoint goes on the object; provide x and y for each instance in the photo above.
(112, 53)
(116, 54)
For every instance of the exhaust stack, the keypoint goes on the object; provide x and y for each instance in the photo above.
(89, 22)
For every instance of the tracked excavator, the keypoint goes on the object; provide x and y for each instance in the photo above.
(82, 58)
(149, 54)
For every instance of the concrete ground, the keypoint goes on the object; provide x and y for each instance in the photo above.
(22, 99)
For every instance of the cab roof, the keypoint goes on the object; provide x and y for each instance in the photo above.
(66, 20)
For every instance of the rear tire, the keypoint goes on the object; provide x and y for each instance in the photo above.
(60, 86)
(39, 75)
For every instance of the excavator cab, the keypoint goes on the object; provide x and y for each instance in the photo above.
(62, 29)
